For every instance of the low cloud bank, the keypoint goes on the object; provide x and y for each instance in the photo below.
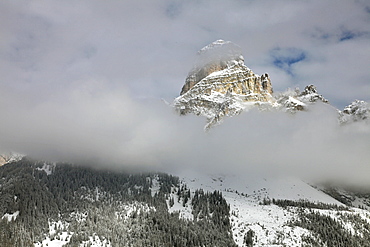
(111, 129)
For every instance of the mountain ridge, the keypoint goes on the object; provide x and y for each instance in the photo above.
(225, 87)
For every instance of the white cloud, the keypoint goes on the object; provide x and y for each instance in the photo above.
(112, 129)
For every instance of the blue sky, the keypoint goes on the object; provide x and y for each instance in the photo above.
(286, 58)
(79, 71)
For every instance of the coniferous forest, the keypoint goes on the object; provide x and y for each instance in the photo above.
(118, 207)
(80, 204)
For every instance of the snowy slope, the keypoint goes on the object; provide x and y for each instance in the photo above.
(245, 195)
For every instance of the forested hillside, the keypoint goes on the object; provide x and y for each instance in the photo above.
(46, 203)
(82, 205)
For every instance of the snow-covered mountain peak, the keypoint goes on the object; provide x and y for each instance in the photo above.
(214, 57)
(294, 100)
(221, 84)
(310, 94)
(358, 110)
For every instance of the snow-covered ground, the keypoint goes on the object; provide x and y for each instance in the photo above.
(58, 235)
(64, 238)
(95, 241)
(127, 210)
(245, 194)
(47, 168)
(11, 217)
(155, 186)
(184, 210)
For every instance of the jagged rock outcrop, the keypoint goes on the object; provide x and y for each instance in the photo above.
(221, 85)
(310, 94)
(293, 101)
(358, 110)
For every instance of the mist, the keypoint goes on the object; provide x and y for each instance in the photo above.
(114, 130)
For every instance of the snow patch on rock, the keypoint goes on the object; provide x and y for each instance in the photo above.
(11, 217)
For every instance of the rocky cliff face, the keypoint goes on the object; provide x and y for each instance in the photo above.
(218, 56)
(221, 85)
